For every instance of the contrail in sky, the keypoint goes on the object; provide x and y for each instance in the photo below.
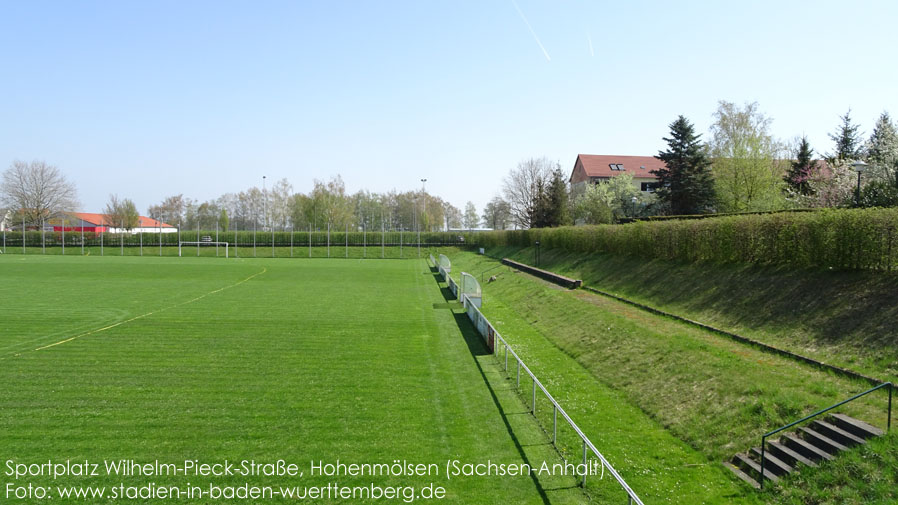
(546, 53)
(589, 39)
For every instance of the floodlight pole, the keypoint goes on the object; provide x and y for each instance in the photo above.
(121, 238)
(43, 238)
(346, 237)
(424, 213)
(292, 232)
(364, 239)
(160, 237)
(383, 235)
(23, 231)
(140, 237)
(82, 237)
(310, 240)
(328, 239)
(63, 236)
(197, 236)
(216, 239)
(102, 234)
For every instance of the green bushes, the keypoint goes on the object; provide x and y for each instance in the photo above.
(12, 239)
(845, 239)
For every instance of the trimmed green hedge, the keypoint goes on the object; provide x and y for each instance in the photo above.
(844, 239)
(13, 239)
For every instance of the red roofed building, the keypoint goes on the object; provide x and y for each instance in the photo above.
(100, 223)
(595, 168)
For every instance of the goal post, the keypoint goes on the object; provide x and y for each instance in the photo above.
(201, 244)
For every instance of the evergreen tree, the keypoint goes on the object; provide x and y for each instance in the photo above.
(802, 168)
(847, 138)
(539, 216)
(558, 211)
(882, 151)
(685, 186)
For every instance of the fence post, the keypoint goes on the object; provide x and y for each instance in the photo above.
(533, 410)
(585, 471)
(554, 424)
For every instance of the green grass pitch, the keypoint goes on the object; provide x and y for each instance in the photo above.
(175, 359)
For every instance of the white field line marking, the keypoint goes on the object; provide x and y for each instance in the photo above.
(135, 318)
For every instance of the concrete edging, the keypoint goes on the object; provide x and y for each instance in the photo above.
(545, 274)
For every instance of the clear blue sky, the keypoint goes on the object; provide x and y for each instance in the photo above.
(148, 99)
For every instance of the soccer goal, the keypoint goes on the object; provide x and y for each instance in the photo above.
(203, 244)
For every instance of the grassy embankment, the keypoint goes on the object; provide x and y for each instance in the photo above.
(716, 395)
(846, 318)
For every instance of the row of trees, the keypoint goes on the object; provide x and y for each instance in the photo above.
(328, 204)
(37, 193)
(743, 168)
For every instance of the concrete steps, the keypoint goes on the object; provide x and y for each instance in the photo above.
(822, 440)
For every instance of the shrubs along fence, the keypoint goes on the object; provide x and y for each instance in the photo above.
(13, 239)
(845, 239)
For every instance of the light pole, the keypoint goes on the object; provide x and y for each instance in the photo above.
(424, 214)
(859, 167)
(635, 200)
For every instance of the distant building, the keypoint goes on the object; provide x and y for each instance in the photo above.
(100, 223)
(596, 168)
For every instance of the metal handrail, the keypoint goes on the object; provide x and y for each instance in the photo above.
(827, 409)
(587, 444)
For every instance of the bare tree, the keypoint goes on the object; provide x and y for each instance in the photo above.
(522, 188)
(36, 191)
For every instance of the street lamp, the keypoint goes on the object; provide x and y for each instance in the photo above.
(859, 167)
(635, 200)
(537, 253)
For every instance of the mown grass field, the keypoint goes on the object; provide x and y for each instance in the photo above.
(174, 359)
(667, 402)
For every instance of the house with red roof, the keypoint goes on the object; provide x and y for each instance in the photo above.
(101, 223)
(596, 168)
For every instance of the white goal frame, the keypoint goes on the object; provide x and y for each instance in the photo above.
(201, 243)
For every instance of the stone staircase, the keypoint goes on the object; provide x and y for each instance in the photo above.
(821, 440)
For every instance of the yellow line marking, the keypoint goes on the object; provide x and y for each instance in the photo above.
(135, 318)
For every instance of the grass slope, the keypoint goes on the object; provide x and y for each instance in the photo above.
(306, 360)
(717, 395)
(844, 318)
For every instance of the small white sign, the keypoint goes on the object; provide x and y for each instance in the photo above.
(482, 251)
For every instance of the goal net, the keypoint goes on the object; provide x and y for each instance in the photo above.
(204, 243)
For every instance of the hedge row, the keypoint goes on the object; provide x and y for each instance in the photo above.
(845, 239)
(241, 238)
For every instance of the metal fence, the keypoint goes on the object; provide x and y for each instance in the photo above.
(497, 344)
